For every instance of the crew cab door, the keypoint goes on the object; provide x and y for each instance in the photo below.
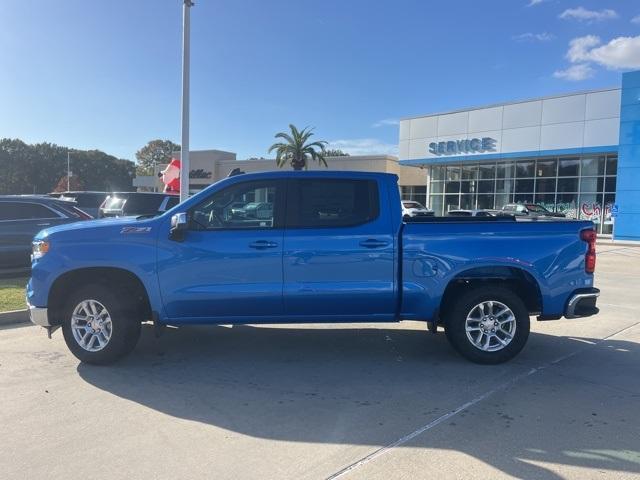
(228, 266)
(338, 250)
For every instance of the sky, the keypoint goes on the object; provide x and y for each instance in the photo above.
(106, 74)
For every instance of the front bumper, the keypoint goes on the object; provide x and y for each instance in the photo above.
(582, 303)
(39, 315)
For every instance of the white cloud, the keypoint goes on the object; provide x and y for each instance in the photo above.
(620, 53)
(386, 122)
(579, 48)
(636, 19)
(534, 37)
(533, 3)
(575, 73)
(364, 146)
(583, 15)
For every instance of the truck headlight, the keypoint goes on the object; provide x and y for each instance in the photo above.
(38, 249)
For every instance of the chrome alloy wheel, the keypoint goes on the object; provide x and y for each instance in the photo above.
(490, 326)
(91, 325)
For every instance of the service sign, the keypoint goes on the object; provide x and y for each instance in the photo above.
(467, 145)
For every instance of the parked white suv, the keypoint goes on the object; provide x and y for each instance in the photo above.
(411, 208)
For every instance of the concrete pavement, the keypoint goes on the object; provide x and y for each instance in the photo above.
(341, 401)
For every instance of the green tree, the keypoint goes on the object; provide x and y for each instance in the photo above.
(296, 151)
(37, 168)
(155, 152)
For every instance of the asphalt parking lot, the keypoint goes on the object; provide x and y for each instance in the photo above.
(347, 401)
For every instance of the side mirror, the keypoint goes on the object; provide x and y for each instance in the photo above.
(179, 226)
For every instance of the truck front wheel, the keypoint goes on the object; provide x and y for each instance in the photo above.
(99, 326)
(488, 324)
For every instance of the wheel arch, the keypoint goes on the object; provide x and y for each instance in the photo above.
(515, 279)
(125, 280)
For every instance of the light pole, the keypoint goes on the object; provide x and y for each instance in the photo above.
(184, 147)
(68, 170)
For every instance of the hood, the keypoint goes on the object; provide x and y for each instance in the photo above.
(102, 227)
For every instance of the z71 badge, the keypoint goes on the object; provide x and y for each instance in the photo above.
(135, 230)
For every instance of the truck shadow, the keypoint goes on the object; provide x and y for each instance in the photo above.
(371, 386)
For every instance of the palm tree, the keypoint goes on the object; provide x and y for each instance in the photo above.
(295, 149)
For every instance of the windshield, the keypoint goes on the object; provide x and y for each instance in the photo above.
(537, 208)
(412, 205)
(114, 203)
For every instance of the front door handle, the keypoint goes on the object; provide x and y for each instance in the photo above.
(373, 243)
(263, 244)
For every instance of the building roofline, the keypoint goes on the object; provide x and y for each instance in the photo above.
(514, 102)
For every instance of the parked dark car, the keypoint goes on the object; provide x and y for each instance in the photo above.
(21, 217)
(471, 213)
(528, 209)
(86, 201)
(125, 204)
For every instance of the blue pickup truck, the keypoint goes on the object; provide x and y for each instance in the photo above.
(291, 247)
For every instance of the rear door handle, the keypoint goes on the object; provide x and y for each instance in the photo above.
(373, 243)
(263, 244)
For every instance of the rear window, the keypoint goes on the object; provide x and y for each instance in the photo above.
(321, 202)
(140, 204)
(24, 211)
(411, 205)
(114, 203)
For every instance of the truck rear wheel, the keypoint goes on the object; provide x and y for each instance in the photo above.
(488, 324)
(99, 326)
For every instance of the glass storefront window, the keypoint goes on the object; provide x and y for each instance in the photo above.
(467, 202)
(612, 165)
(452, 187)
(437, 172)
(525, 169)
(505, 170)
(485, 201)
(567, 185)
(453, 173)
(524, 185)
(547, 200)
(610, 184)
(469, 172)
(437, 187)
(546, 168)
(468, 186)
(487, 172)
(435, 203)
(451, 202)
(579, 187)
(523, 198)
(546, 185)
(591, 184)
(567, 203)
(569, 167)
(502, 199)
(486, 186)
(504, 186)
(592, 166)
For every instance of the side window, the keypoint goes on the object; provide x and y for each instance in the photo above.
(173, 201)
(24, 211)
(244, 205)
(323, 202)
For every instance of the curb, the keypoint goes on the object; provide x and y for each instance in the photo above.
(14, 317)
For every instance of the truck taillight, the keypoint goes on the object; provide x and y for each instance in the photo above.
(589, 236)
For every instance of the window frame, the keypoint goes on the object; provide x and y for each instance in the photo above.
(293, 185)
(278, 206)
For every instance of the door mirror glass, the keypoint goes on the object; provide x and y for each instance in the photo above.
(179, 226)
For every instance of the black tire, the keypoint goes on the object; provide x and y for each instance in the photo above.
(455, 324)
(125, 324)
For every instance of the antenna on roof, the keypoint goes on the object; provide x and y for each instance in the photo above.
(234, 172)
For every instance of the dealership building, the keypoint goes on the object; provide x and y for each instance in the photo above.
(576, 153)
